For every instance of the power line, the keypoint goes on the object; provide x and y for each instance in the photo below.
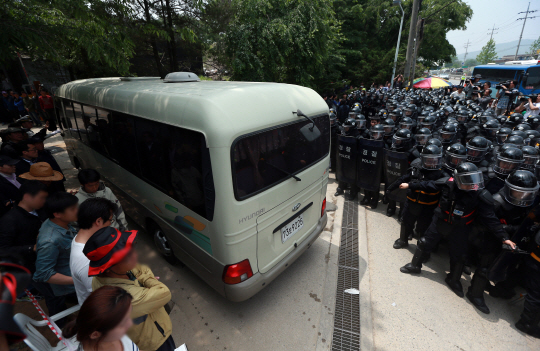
(466, 46)
(493, 29)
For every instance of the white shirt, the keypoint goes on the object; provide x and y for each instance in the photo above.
(459, 95)
(79, 264)
(127, 344)
(532, 112)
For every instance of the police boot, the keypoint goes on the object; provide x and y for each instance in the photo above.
(366, 200)
(528, 323)
(453, 278)
(391, 210)
(351, 196)
(403, 240)
(374, 202)
(339, 191)
(415, 266)
(475, 293)
(400, 213)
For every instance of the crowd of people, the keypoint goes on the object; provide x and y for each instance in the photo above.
(76, 245)
(471, 179)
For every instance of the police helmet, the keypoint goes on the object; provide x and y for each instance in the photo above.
(508, 160)
(520, 188)
(356, 109)
(435, 142)
(477, 147)
(530, 156)
(484, 116)
(396, 114)
(515, 118)
(431, 157)
(455, 155)
(401, 139)
(534, 121)
(491, 127)
(448, 132)
(422, 136)
(389, 126)
(361, 121)
(333, 118)
(376, 132)
(410, 110)
(406, 123)
(428, 122)
(462, 116)
(349, 123)
(523, 127)
(468, 177)
(502, 134)
(516, 140)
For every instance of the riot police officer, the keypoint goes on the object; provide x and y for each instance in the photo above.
(371, 198)
(348, 129)
(420, 204)
(512, 204)
(463, 199)
(454, 155)
(509, 159)
(389, 128)
(447, 134)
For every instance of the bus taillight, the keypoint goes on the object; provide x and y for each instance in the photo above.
(237, 273)
(323, 207)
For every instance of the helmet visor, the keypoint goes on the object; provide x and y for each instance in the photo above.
(517, 196)
(376, 134)
(452, 160)
(470, 181)
(431, 161)
(491, 132)
(505, 166)
(448, 136)
(388, 129)
(475, 154)
(408, 113)
(461, 118)
(501, 137)
(530, 161)
(394, 116)
(361, 123)
(420, 119)
(422, 138)
(427, 125)
(405, 125)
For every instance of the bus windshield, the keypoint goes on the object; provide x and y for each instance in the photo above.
(533, 81)
(266, 158)
(495, 75)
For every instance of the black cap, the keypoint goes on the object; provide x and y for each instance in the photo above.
(6, 160)
(14, 130)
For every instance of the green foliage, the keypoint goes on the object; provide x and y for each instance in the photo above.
(67, 31)
(535, 46)
(471, 62)
(289, 41)
(488, 53)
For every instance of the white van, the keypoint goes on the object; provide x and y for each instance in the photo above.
(228, 177)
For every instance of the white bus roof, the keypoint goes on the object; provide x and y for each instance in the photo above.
(220, 110)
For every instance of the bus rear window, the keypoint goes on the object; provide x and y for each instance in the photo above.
(263, 159)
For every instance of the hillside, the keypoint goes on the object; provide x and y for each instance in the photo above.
(503, 49)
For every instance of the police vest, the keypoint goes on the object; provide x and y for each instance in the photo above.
(508, 213)
(454, 209)
(420, 196)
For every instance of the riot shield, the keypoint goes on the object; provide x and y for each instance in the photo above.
(507, 259)
(395, 165)
(346, 158)
(370, 159)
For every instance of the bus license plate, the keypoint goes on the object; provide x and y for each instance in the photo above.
(291, 228)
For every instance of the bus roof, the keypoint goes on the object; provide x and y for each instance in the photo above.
(221, 110)
(507, 67)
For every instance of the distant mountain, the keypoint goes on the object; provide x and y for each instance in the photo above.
(503, 49)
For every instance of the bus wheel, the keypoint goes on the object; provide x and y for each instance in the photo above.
(162, 245)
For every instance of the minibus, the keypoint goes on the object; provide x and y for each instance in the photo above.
(228, 177)
(528, 76)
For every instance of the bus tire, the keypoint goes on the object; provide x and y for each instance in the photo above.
(162, 244)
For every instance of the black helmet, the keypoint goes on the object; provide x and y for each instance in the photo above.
(349, 123)
(462, 116)
(356, 109)
(477, 147)
(376, 132)
(448, 132)
(515, 118)
(534, 121)
(455, 155)
(391, 105)
(406, 123)
(521, 188)
(516, 140)
(396, 114)
(533, 136)
(491, 127)
(422, 136)
(352, 115)
(523, 127)
(401, 139)
(361, 121)
(502, 134)
(428, 122)
(484, 116)
(508, 160)
(468, 177)
(410, 110)
(333, 118)
(431, 157)
(383, 112)
(520, 133)
(530, 156)
(389, 126)
(435, 142)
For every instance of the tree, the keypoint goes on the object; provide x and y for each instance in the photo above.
(535, 46)
(471, 62)
(488, 53)
(289, 41)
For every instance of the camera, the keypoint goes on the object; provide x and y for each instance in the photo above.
(505, 83)
(525, 98)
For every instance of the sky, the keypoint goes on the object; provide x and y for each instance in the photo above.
(502, 14)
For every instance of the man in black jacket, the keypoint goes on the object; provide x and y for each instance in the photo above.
(19, 227)
(9, 184)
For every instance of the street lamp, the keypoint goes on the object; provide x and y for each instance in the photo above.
(397, 2)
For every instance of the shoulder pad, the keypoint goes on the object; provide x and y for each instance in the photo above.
(416, 163)
(486, 197)
(498, 200)
(443, 180)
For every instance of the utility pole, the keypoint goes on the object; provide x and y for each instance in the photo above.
(492, 29)
(419, 37)
(410, 43)
(522, 28)
(398, 2)
(466, 50)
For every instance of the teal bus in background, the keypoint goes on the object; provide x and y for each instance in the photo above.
(528, 76)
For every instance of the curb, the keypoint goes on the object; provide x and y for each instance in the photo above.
(366, 318)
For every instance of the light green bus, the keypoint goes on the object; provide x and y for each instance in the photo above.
(228, 177)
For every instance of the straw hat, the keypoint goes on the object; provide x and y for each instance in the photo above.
(42, 171)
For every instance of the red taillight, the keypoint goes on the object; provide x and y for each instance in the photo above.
(323, 207)
(237, 273)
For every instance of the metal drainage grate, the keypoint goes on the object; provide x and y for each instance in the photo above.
(346, 335)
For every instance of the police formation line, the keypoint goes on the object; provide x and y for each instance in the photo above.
(459, 173)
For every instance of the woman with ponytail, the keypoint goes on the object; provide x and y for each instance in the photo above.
(103, 321)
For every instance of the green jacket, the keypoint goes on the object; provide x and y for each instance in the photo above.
(152, 325)
(119, 217)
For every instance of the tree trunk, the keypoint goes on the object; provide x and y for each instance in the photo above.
(167, 19)
(153, 40)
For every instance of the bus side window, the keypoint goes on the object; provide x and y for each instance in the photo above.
(79, 120)
(70, 118)
(122, 145)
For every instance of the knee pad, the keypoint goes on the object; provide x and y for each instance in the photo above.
(422, 243)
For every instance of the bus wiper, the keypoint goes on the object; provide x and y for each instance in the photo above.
(284, 171)
(301, 114)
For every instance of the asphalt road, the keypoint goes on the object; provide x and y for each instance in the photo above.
(295, 312)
